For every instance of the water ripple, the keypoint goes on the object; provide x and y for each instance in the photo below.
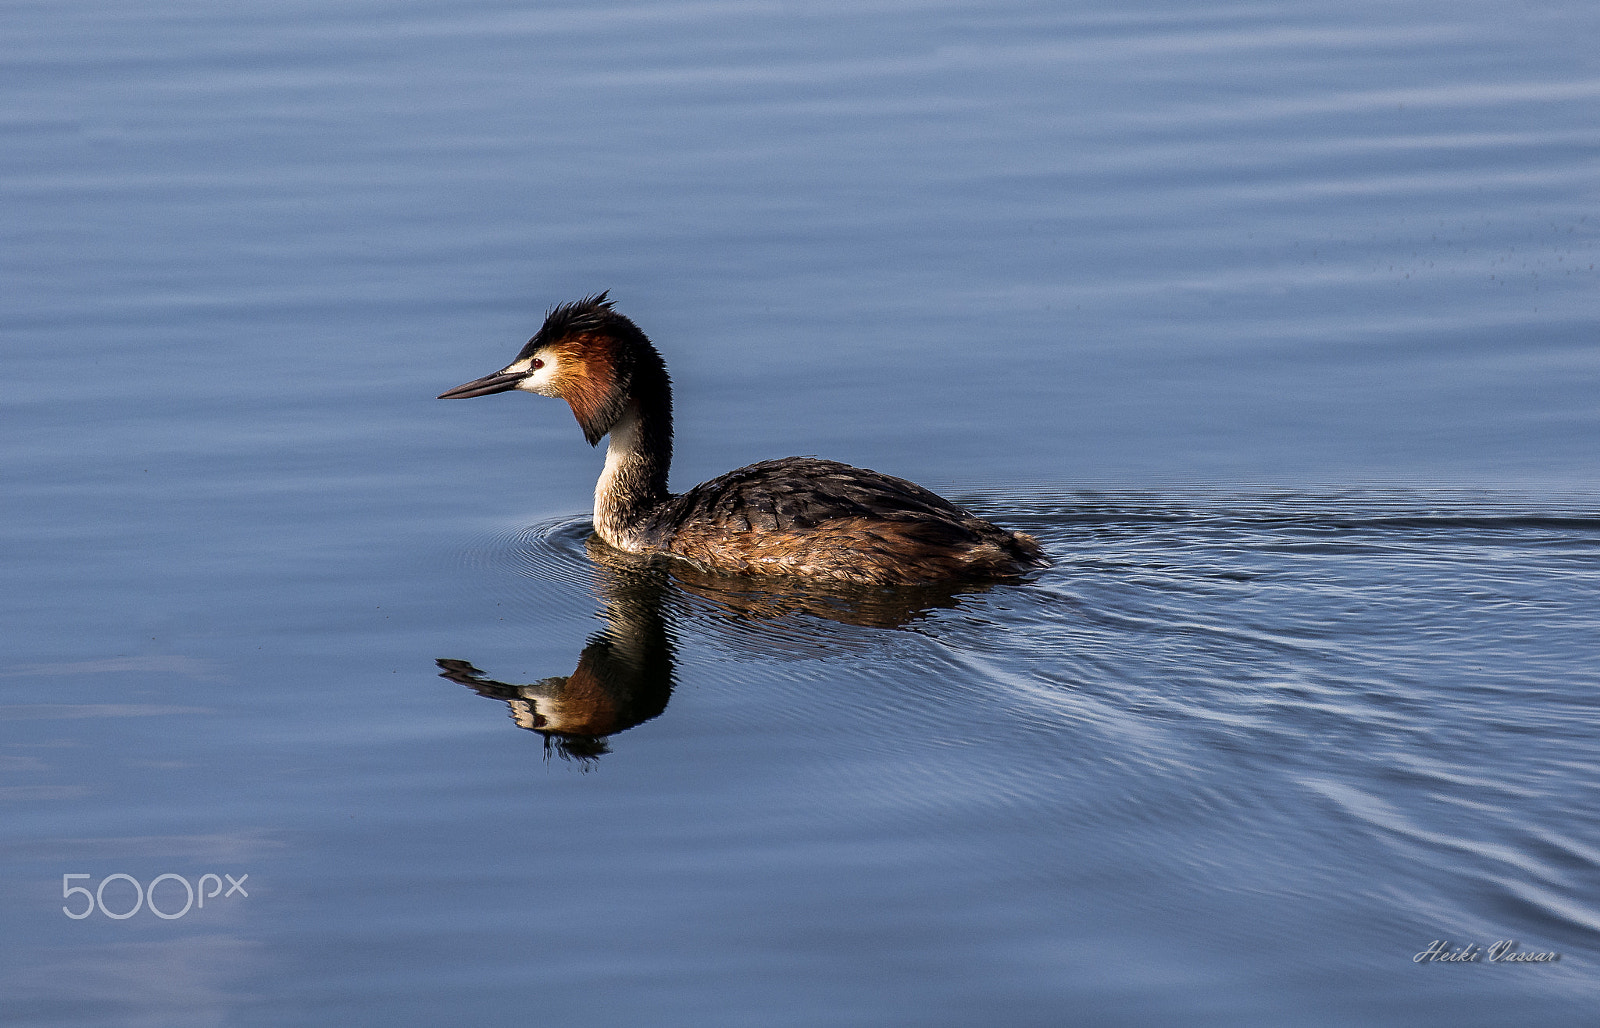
(1389, 654)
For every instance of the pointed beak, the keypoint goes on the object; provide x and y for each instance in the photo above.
(498, 382)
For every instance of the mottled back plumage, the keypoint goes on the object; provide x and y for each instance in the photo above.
(812, 518)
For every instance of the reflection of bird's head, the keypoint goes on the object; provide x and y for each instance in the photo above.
(566, 709)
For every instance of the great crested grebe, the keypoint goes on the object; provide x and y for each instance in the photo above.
(799, 516)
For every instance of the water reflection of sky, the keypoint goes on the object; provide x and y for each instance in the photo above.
(1308, 294)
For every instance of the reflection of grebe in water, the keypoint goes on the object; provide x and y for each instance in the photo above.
(625, 675)
(623, 678)
(798, 517)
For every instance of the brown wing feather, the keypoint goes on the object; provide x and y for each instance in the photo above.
(822, 519)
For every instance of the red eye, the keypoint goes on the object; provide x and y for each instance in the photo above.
(537, 364)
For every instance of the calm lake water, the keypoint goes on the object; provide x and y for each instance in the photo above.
(1276, 323)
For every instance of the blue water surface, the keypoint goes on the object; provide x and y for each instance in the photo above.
(1275, 323)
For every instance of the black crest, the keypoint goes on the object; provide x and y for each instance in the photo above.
(586, 315)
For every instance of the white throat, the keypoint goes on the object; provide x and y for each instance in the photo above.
(622, 457)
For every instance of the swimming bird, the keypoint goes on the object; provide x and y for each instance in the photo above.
(798, 517)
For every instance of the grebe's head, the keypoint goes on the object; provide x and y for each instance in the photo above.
(587, 354)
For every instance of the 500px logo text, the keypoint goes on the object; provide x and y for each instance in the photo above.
(193, 895)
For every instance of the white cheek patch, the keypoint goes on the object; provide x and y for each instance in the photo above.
(542, 380)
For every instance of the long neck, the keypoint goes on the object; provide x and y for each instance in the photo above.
(634, 480)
